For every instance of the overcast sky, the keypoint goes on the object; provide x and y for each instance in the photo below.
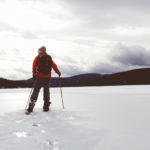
(82, 36)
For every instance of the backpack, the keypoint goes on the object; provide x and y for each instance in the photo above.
(45, 64)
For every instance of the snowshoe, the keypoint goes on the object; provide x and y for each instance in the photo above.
(46, 110)
(30, 109)
(27, 113)
(46, 106)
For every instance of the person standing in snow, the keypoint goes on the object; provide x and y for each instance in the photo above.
(42, 65)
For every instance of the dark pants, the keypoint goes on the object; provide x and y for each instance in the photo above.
(42, 82)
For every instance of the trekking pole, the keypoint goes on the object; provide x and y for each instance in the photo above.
(29, 96)
(61, 93)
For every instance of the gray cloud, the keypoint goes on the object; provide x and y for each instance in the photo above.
(70, 70)
(85, 42)
(109, 13)
(122, 58)
(29, 35)
(131, 55)
(22, 70)
(91, 23)
(101, 20)
(16, 52)
(105, 68)
(68, 59)
(21, 73)
(6, 27)
(43, 1)
(18, 73)
(2, 53)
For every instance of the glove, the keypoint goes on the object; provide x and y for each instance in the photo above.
(59, 73)
(34, 76)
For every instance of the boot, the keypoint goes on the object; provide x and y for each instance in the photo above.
(46, 107)
(31, 106)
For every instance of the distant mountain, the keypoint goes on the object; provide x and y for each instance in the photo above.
(132, 77)
(4, 83)
(74, 80)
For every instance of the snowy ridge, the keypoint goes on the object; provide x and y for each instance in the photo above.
(54, 130)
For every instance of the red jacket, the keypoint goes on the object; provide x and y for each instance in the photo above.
(39, 74)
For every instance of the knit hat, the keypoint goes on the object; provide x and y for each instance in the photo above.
(42, 49)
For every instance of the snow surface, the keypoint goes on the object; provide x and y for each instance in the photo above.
(94, 118)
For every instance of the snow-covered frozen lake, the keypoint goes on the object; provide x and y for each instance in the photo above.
(95, 118)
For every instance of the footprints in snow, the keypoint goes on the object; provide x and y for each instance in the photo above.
(49, 144)
(36, 125)
(21, 134)
(24, 134)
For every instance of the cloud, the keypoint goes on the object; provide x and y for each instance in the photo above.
(70, 70)
(29, 35)
(105, 68)
(2, 53)
(131, 55)
(6, 27)
(122, 57)
(108, 13)
(80, 34)
(67, 59)
(15, 73)
(20, 73)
